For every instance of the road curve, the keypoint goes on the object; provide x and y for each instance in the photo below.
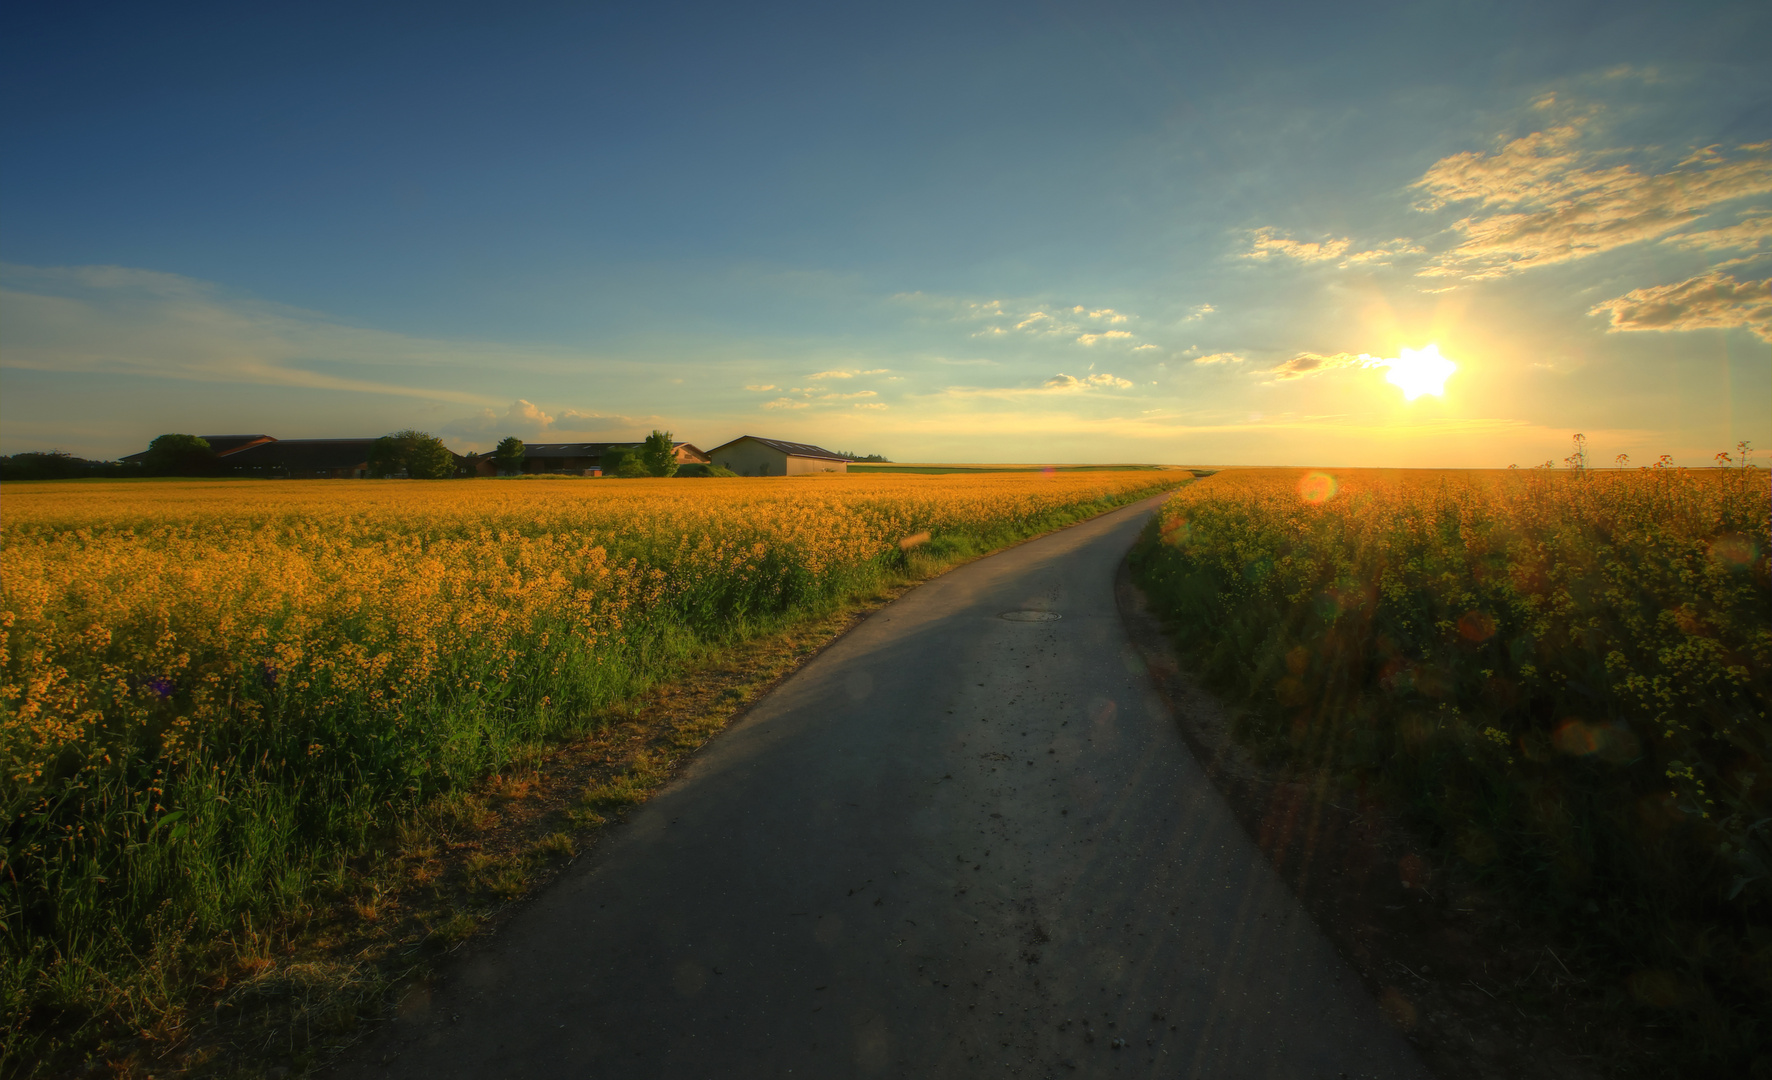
(952, 845)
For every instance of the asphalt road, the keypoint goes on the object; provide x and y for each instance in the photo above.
(953, 845)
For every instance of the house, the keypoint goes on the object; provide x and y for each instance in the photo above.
(578, 459)
(750, 455)
(302, 459)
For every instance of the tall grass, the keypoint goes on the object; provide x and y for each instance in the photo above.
(1564, 678)
(216, 695)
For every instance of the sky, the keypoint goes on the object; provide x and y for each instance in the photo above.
(1015, 232)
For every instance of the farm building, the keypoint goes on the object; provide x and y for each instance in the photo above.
(219, 445)
(750, 455)
(579, 459)
(300, 459)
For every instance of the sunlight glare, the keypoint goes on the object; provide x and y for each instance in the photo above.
(1420, 371)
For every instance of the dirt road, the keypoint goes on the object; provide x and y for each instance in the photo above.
(955, 844)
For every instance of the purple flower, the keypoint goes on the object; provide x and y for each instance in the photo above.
(161, 686)
(267, 674)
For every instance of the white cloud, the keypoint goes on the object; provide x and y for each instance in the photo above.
(523, 419)
(761, 387)
(1710, 301)
(1199, 313)
(785, 403)
(1147, 346)
(1070, 383)
(1108, 335)
(1219, 358)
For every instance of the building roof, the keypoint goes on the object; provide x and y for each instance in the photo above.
(791, 449)
(219, 445)
(582, 449)
(304, 455)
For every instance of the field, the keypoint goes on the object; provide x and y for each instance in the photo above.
(218, 694)
(1561, 678)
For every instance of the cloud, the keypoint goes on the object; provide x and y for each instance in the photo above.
(1143, 348)
(1109, 335)
(847, 374)
(1309, 365)
(1710, 301)
(1750, 233)
(761, 387)
(868, 405)
(1220, 358)
(1266, 242)
(785, 403)
(1103, 315)
(1200, 313)
(523, 419)
(122, 321)
(1070, 383)
(1541, 199)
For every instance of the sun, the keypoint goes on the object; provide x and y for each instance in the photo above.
(1420, 371)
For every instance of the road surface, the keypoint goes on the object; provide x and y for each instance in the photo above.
(953, 845)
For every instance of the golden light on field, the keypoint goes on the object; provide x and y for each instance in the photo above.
(1420, 371)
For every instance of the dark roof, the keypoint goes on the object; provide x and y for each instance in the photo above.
(219, 445)
(226, 444)
(578, 449)
(304, 455)
(792, 449)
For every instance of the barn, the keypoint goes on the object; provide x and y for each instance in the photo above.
(752, 455)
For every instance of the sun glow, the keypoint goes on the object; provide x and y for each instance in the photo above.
(1420, 371)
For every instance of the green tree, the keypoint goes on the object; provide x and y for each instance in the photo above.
(658, 454)
(179, 455)
(418, 454)
(509, 454)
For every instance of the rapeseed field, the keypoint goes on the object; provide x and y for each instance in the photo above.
(217, 694)
(1563, 678)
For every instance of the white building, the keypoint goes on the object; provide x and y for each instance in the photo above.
(749, 455)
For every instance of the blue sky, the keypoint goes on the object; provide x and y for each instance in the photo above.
(985, 232)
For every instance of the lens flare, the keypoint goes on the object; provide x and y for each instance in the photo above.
(1419, 371)
(1317, 488)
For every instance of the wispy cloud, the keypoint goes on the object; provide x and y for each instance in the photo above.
(1108, 335)
(1308, 365)
(1199, 313)
(1073, 384)
(1710, 301)
(1267, 243)
(1220, 358)
(1543, 199)
(843, 374)
(118, 320)
(761, 388)
(786, 403)
(1749, 233)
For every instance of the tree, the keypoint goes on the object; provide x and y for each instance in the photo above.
(179, 455)
(509, 454)
(658, 454)
(418, 454)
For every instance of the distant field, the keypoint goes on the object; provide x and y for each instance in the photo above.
(1564, 677)
(932, 468)
(219, 697)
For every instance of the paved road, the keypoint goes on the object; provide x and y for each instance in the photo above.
(953, 845)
